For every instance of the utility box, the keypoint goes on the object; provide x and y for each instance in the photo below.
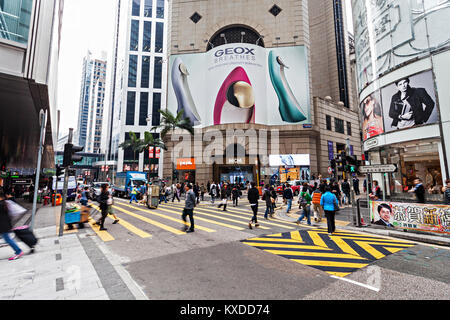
(153, 197)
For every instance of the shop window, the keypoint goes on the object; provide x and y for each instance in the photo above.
(339, 125)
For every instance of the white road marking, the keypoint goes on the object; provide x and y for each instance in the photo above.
(357, 283)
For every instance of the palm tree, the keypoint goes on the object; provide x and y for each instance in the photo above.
(150, 141)
(134, 143)
(171, 122)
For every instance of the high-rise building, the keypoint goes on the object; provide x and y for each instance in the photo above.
(92, 99)
(138, 79)
(402, 62)
(258, 66)
(29, 51)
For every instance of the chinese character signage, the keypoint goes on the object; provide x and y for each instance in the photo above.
(411, 216)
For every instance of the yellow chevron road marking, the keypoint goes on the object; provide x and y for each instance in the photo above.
(285, 246)
(315, 254)
(317, 239)
(276, 240)
(155, 223)
(104, 235)
(168, 218)
(331, 263)
(367, 247)
(344, 246)
(129, 226)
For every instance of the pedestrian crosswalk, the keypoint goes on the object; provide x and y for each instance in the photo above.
(339, 254)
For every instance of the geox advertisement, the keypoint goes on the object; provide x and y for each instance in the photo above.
(241, 83)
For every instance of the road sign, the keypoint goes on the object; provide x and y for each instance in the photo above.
(330, 170)
(378, 168)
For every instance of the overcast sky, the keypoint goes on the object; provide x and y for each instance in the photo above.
(88, 25)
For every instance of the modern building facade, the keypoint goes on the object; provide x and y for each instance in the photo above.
(402, 62)
(275, 69)
(139, 79)
(29, 51)
(92, 100)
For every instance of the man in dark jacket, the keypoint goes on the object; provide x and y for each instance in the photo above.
(189, 208)
(6, 226)
(419, 190)
(288, 195)
(407, 105)
(253, 197)
(346, 190)
(103, 202)
(268, 198)
(225, 193)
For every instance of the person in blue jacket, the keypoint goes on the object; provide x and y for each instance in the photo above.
(328, 203)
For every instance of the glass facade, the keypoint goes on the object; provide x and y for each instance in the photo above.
(158, 73)
(134, 37)
(148, 4)
(146, 43)
(156, 120)
(136, 8)
(159, 37)
(132, 71)
(143, 110)
(131, 102)
(145, 72)
(15, 17)
(160, 9)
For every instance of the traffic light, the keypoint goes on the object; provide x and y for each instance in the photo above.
(341, 161)
(333, 164)
(352, 164)
(59, 170)
(70, 155)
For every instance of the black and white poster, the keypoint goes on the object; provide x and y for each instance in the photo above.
(409, 102)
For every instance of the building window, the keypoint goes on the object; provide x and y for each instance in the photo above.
(339, 125)
(155, 109)
(160, 9)
(146, 43)
(132, 71)
(159, 37)
(131, 102)
(145, 72)
(349, 128)
(134, 37)
(328, 118)
(136, 8)
(158, 73)
(148, 8)
(143, 109)
(15, 17)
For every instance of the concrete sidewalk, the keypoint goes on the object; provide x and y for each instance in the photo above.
(76, 266)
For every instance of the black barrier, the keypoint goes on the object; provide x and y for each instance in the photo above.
(361, 204)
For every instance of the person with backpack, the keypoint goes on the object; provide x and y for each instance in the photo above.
(317, 208)
(304, 200)
(446, 191)
(288, 195)
(268, 198)
(253, 197)
(214, 192)
(345, 186)
(236, 193)
(5, 228)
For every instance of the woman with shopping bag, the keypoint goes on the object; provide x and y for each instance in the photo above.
(6, 226)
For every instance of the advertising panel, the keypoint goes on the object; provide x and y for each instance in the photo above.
(241, 83)
(372, 116)
(411, 216)
(391, 32)
(289, 160)
(409, 102)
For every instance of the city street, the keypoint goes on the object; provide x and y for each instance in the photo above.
(223, 259)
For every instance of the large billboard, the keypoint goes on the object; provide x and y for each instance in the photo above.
(408, 102)
(241, 83)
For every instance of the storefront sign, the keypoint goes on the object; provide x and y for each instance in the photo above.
(330, 150)
(158, 153)
(372, 143)
(150, 152)
(236, 161)
(186, 164)
(378, 168)
(411, 216)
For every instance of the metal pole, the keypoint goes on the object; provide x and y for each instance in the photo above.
(64, 192)
(42, 118)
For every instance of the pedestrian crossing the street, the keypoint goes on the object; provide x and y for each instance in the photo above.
(339, 254)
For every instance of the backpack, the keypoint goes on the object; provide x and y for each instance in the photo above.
(302, 201)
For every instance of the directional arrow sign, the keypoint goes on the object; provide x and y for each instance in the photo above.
(378, 168)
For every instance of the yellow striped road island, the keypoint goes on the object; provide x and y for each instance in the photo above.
(339, 254)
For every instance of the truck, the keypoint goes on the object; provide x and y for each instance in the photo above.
(125, 181)
(71, 188)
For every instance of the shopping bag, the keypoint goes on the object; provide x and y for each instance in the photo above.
(15, 211)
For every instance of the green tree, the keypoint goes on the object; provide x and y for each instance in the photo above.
(134, 143)
(150, 141)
